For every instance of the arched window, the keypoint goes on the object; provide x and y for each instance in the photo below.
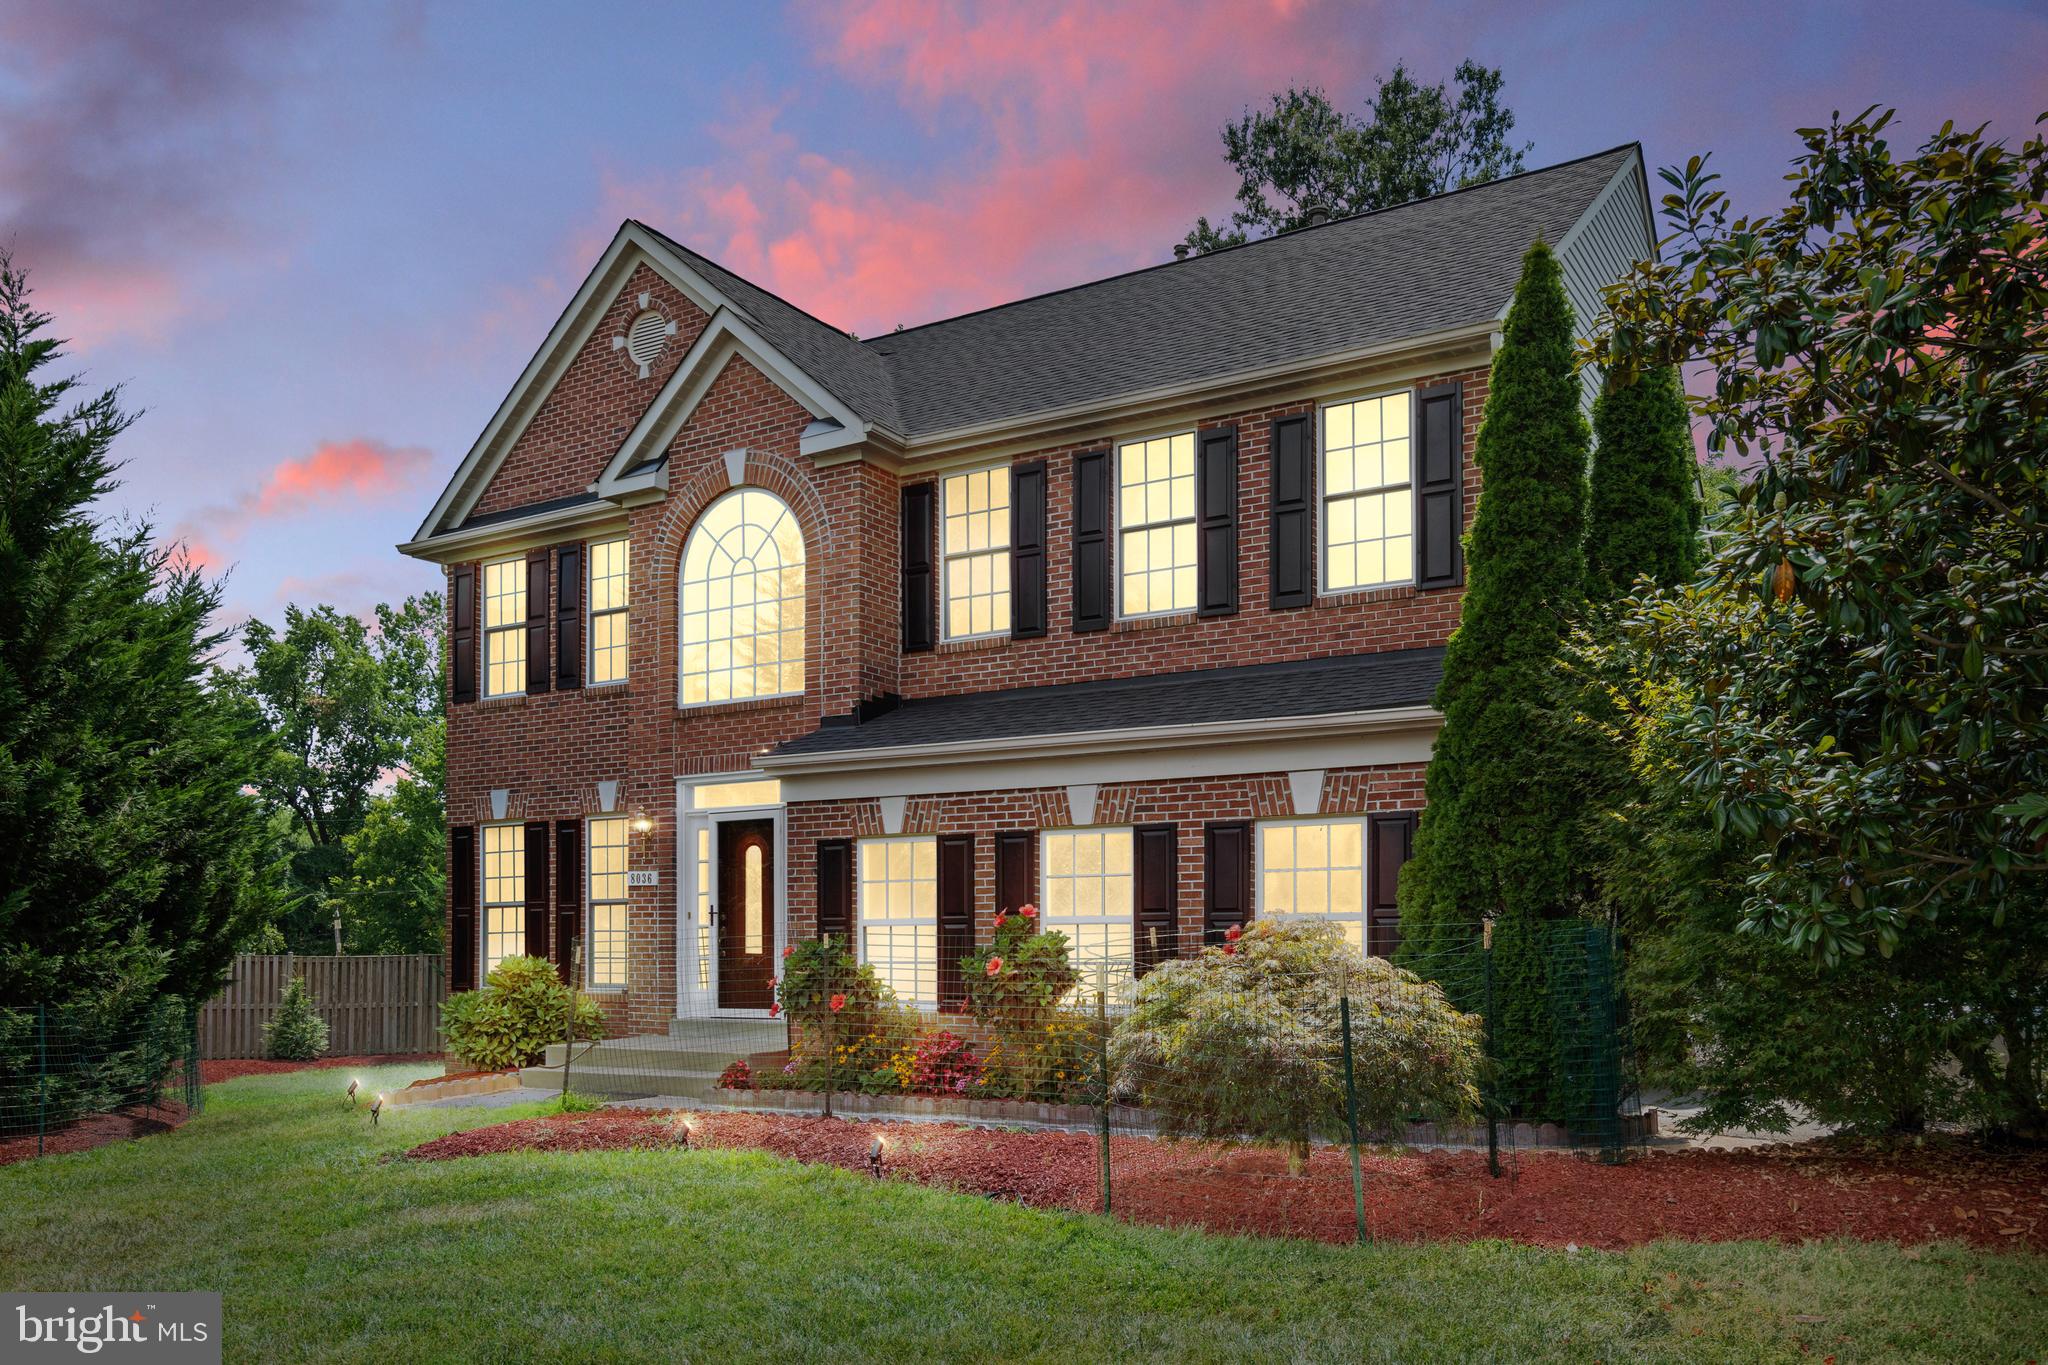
(743, 601)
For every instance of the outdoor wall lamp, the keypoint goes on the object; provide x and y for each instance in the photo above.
(642, 823)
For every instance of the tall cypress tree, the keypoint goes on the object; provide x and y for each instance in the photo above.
(1643, 513)
(1497, 840)
(127, 864)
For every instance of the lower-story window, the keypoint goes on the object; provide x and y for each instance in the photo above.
(1314, 870)
(1087, 885)
(899, 914)
(607, 901)
(504, 893)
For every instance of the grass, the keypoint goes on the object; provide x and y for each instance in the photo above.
(281, 1198)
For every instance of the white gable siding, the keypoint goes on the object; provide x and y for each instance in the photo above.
(1601, 248)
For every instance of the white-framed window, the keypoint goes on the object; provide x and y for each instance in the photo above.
(504, 926)
(1155, 519)
(605, 941)
(610, 624)
(504, 627)
(754, 791)
(1368, 522)
(743, 601)
(1314, 870)
(1087, 881)
(703, 907)
(974, 563)
(899, 914)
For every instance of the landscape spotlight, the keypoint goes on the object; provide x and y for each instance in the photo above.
(375, 1110)
(876, 1149)
(680, 1132)
(353, 1085)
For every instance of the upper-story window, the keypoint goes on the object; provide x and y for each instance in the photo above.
(1155, 513)
(505, 627)
(975, 508)
(1368, 494)
(743, 601)
(610, 626)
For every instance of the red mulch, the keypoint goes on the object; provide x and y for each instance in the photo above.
(97, 1130)
(231, 1068)
(1950, 1191)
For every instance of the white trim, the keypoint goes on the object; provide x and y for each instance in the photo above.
(735, 468)
(1322, 498)
(893, 808)
(1631, 167)
(1081, 802)
(630, 247)
(727, 335)
(1354, 739)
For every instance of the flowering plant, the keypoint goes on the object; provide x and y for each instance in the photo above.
(942, 1063)
(737, 1076)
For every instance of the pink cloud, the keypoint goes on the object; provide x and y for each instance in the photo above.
(359, 469)
(1099, 146)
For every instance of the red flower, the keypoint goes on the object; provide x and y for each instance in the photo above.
(995, 966)
(774, 1008)
(1234, 933)
(1029, 912)
(1001, 915)
(790, 949)
(1230, 950)
(838, 1003)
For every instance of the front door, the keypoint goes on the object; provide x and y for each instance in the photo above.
(746, 914)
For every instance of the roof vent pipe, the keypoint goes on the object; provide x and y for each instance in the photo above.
(1180, 251)
(1318, 214)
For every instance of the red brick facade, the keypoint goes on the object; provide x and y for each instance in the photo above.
(549, 752)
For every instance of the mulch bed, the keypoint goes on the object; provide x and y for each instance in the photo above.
(1909, 1196)
(231, 1068)
(96, 1130)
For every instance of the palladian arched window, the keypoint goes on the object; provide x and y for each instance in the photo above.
(743, 601)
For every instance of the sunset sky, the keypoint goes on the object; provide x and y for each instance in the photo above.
(317, 242)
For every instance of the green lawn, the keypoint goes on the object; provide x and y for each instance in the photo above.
(278, 1197)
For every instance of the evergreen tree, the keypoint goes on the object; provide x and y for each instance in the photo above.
(1643, 514)
(125, 871)
(1498, 838)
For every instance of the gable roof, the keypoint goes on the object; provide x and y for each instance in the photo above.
(1446, 266)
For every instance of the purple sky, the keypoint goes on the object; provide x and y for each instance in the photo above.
(317, 242)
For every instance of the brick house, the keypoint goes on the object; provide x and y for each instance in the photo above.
(1127, 600)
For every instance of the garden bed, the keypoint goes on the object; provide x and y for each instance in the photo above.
(96, 1130)
(1941, 1192)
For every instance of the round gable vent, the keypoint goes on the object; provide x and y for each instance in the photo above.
(644, 337)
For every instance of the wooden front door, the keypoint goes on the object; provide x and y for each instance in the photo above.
(746, 914)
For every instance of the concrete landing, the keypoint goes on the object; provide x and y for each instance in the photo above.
(686, 1062)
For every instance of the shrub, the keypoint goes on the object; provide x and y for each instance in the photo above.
(1244, 1042)
(296, 1033)
(845, 1025)
(1015, 988)
(523, 1007)
(736, 1076)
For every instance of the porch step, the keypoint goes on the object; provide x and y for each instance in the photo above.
(620, 1083)
(739, 1036)
(686, 1062)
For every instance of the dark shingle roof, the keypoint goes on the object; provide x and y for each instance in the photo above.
(1356, 282)
(1311, 687)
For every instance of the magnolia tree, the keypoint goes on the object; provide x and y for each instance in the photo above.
(1245, 1041)
(1857, 685)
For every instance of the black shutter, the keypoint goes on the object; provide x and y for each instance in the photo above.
(1392, 843)
(1439, 487)
(956, 916)
(462, 904)
(1157, 894)
(537, 888)
(569, 616)
(919, 582)
(1027, 550)
(539, 626)
(1227, 888)
(568, 896)
(1294, 511)
(1091, 541)
(462, 634)
(1216, 522)
(835, 890)
(1016, 869)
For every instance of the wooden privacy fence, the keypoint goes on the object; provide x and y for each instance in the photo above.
(372, 1004)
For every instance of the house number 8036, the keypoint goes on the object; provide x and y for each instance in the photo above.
(647, 878)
